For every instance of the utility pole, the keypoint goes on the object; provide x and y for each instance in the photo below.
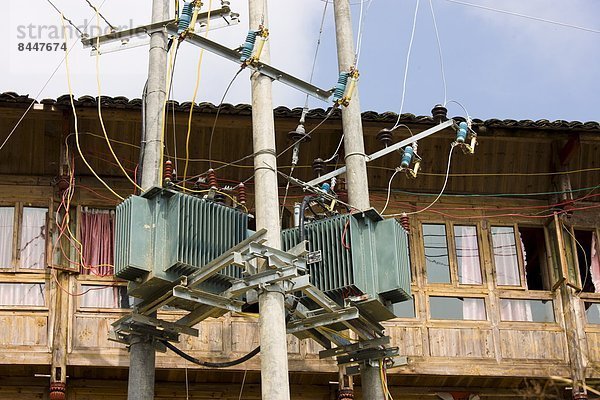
(354, 149)
(273, 343)
(142, 355)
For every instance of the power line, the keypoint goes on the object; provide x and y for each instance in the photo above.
(548, 21)
(412, 37)
(65, 18)
(439, 43)
(14, 129)
(111, 26)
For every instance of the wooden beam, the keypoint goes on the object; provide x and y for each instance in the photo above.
(570, 149)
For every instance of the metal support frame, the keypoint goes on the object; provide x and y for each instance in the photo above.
(170, 24)
(386, 151)
(287, 269)
(265, 69)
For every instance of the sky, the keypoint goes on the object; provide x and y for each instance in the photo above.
(495, 65)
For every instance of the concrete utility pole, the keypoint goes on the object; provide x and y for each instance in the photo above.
(354, 148)
(273, 342)
(142, 355)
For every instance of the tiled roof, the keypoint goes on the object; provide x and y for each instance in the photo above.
(124, 103)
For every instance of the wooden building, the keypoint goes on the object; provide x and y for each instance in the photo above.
(505, 266)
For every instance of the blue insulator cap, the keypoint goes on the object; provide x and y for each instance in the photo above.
(461, 134)
(326, 187)
(407, 157)
(186, 17)
(248, 46)
(340, 88)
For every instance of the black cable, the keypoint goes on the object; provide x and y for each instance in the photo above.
(111, 26)
(211, 364)
(212, 132)
(65, 18)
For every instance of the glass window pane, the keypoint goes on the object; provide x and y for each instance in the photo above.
(457, 308)
(467, 255)
(405, 309)
(505, 256)
(526, 310)
(592, 313)
(436, 253)
(22, 294)
(33, 238)
(96, 296)
(7, 218)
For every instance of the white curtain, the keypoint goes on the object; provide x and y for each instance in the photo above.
(33, 238)
(474, 309)
(7, 219)
(467, 254)
(515, 310)
(104, 297)
(22, 294)
(595, 264)
(505, 256)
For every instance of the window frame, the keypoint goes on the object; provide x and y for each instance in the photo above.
(479, 296)
(19, 206)
(452, 254)
(27, 279)
(520, 260)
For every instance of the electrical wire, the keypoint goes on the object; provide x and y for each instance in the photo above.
(439, 43)
(196, 86)
(361, 25)
(389, 191)
(452, 146)
(212, 131)
(34, 101)
(111, 26)
(67, 19)
(100, 107)
(71, 97)
(211, 364)
(305, 108)
(412, 37)
(337, 150)
(563, 24)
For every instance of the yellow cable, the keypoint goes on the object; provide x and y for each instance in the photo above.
(100, 108)
(198, 76)
(62, 18)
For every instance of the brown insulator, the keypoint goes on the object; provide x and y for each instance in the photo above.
(405, 222)
(212, 179)
(299, 135)
(168, 174)
(63, 183)
(242, 193)
(580, 396)
(385, 137)
(318, 167)
(345, 394)
(58, 391)
(439, 113)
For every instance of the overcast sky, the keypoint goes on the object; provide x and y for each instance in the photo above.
(496, 65)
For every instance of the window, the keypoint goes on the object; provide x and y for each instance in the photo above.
(526, 310)
(467, 255)
(97, 241)
(437, 259)
(23, 228)
(458, 265)
(588, 260)
(505, 256)
(7, 220)
(405, 309)
(535, 258)
(97, 296)
(592, 313)
(22, 294)
(457, 308)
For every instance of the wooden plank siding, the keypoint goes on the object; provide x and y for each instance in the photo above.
(440, 352)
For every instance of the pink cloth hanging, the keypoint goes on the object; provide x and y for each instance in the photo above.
(97, 237)
(595, 264)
